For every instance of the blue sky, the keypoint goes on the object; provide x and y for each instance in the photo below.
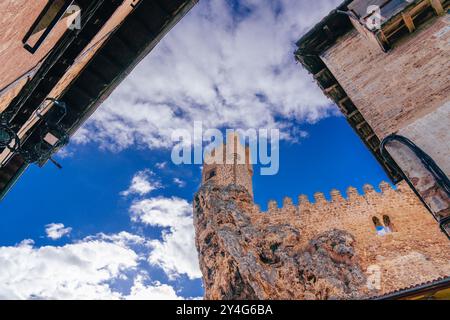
(116, 221)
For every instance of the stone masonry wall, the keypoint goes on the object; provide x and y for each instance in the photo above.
(229, 166)
(241, 259)
(320, 250)
(416, 242)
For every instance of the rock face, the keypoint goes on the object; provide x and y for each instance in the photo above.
(246, 258)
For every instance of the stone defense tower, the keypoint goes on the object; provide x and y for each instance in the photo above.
(228, 164)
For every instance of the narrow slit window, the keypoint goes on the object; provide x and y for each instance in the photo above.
(379, 228)
(211, 174)
(47, 20)
(388, 224)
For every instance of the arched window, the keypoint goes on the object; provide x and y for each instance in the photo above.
(387, 223)
(381, 231)
(376, 221)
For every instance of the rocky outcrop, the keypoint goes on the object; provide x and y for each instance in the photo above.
(241, 259)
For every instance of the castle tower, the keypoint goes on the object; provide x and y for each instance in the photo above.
(229, 163)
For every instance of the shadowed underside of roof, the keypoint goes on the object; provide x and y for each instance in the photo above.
(128, 44)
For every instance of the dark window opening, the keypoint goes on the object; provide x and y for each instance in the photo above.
(446, 227)
(47, 20)
(382, 228)
(211, 175)
(388, 224)
(376, 222)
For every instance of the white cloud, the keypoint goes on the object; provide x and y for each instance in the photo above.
(154, 291)
(90, 268)
(73, 271)
(65, 152)
(179, 182)
(161, 165)
(223, 68)
(142, 183)
(56, 231)
(175, 253)
(84, 270)
(124, 239)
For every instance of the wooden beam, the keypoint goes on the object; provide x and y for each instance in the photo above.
(383, 40)
(437, 6)
(351, 115)
(340, 102)
(370, 137)
(361, 124)
(329, 89)
(342, 107)
(408, 22)
(320, 73)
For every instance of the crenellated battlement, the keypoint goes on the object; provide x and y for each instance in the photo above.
(336, 196)
(320, 203)
(389, 229)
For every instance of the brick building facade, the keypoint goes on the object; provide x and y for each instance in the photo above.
(392, 84)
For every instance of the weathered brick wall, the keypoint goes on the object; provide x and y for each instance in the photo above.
(17, 17)
(393, 89)
(404, 91)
